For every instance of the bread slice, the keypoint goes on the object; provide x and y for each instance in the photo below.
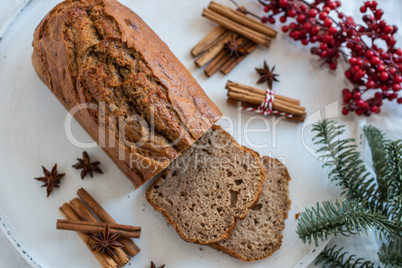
(260, 233)
(212, 184)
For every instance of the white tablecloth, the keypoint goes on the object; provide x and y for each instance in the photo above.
(390, 121)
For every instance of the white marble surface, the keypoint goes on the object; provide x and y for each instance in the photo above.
(389, 120)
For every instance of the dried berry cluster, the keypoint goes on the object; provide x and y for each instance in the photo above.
(375, 62)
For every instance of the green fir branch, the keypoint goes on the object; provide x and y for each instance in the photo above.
(333, 257)
(379, 154)
(348, 170)
(346, 218)
(391, 255)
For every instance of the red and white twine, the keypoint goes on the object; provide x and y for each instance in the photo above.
(266, 106)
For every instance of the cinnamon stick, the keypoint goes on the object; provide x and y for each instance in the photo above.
(248, 33)
(295, 118)
(122, 227)
(233, 62)
(105, 260)
(213, 51)
(208, 41)
(82, 211)
(256, 100)
(261, 91)
(129, 246)
(242, 19)
(71, 226)
(216, 63)
(262, 98)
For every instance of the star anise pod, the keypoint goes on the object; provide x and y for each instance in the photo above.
(105, 242)
(154, 266)
(233, 48)
(51, 179)
(87, 166)
(267, 75)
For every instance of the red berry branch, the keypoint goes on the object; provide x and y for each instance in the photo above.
(375, 62)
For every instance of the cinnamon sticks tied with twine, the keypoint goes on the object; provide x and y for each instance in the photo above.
(247, 32)
(81, 219)
(254, 97)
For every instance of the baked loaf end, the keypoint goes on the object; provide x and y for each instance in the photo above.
(208, 188)
(259, 235)
(144, 107)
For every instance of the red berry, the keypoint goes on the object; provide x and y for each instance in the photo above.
(264, 19)
(380, 68)
(283, 3)
(332, 66)
(326, 9)
(328, 22)
(359, 111)
(352, 61)
(361, 73)
(384, 76)
(357, 95)
(378, 110)
(374, 109)
(369, 53)
(313, 39)
(365, 106)
(355, 68)
(332, 30)
(315, 29)
(323, 15)
(392, 71)
(345, 111)
(396, 87)
(312, 13)
(307, 26)
(384, 87)
(363, 9)
(378, 95)
(285, 28)
(399, 52)
(282, 19)
(399, 101)
(301, 18)
(370, 84)
(358, 47)
(378, 14)
(271, 20)
(267, 8)
(292, 13)
(392, 96)
(375, 60)
(323, 46)
(359, 103)
(344, 91)
(348, 74)
(303, 7)
(304, 42)
(332, 5)
(348, 96)
(398, 78)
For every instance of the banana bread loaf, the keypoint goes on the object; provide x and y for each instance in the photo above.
(122, 84)
(208, 188)
(259, 235)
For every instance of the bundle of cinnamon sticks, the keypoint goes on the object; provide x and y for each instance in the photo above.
(248, 33)
(254, 97)
(81, 219)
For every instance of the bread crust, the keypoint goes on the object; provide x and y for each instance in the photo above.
(54, 59)
(236, 254)
(231, 228)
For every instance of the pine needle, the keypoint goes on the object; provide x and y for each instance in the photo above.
(333, 257)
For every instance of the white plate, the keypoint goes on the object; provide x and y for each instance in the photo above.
(33, 135)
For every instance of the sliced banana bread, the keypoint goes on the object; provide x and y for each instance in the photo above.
(260, 234)
(204, 191)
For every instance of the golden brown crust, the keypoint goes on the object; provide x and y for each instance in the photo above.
(65, 43)
(230, 230)
(230, 251)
